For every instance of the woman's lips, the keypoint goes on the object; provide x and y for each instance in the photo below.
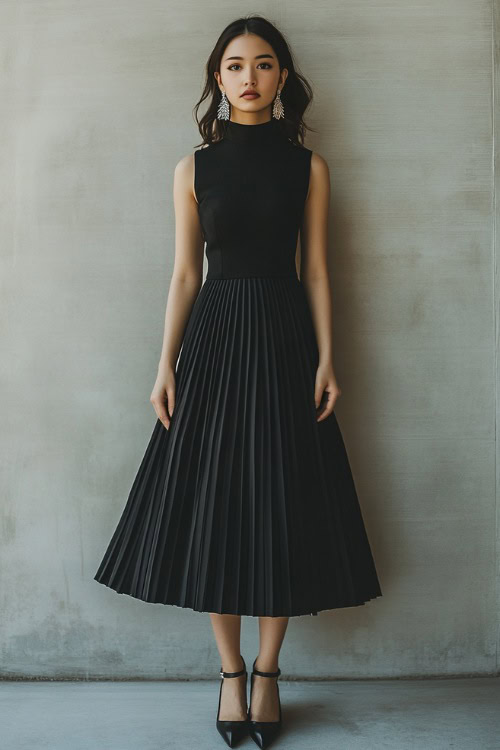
(250, 96)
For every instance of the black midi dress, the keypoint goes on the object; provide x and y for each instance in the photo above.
(246, 505)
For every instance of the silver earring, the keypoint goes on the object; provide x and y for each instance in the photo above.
(223, 108)
(278, 108)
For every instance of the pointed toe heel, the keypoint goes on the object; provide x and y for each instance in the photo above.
(231, 731)
(264, 732)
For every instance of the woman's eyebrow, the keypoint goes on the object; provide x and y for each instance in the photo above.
(257, 57)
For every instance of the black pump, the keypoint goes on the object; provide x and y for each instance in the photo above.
(264, 732)
(231, 731)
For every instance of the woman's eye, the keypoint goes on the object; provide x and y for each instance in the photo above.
(232, 66)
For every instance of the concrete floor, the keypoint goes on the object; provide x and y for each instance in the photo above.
(463, 714)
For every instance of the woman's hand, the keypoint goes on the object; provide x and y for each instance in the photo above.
(326, 391)
(163, 395)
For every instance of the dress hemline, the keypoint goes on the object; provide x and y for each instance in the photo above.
(220, 611)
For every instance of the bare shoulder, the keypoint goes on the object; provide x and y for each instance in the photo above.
(184, 173)
(184, 166)
(319, 165)
(319, 178)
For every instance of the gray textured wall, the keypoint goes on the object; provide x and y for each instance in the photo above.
(97, 101)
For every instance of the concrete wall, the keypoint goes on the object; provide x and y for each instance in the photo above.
(97, 101)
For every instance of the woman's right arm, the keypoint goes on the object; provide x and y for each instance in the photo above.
(185, 284)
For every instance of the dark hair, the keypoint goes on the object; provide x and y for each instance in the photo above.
(296, 94)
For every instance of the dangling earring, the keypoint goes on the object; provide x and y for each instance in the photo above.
(223, 108)
(278, 108)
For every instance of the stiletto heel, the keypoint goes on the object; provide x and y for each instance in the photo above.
(264, 732)
(232, 731)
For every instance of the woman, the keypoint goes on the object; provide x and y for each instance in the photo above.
(244, 503)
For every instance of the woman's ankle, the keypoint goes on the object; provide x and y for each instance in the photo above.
(233, 665)
(267, 664)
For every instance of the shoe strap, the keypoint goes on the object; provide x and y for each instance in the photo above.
(266, 674)
(234, 674)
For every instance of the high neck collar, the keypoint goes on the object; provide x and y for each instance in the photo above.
(263, 133)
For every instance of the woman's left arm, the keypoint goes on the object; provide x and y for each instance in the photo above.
(314, 277)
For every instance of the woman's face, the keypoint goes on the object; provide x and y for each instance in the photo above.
(249, 62)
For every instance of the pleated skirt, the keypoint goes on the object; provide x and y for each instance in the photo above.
(246, 504)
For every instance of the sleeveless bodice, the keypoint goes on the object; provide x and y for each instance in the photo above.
(251, 188)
